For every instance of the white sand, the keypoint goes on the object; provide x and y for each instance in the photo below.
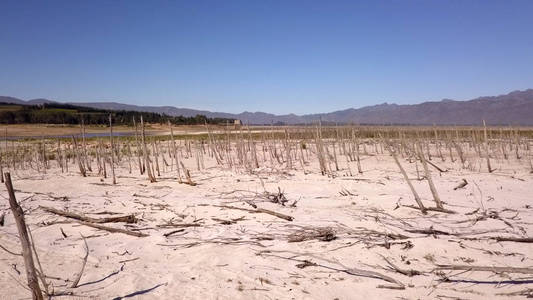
(210, 270)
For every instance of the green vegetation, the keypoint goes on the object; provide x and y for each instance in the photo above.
(9, 107)
(56, 113)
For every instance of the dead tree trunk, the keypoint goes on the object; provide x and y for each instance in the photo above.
(174, 151)
(1, 168)
(415, 194)
(487, 147)
(112, 150)
(87, 162)
(141, 166)
(428, 177)
(145, 153)
(78, 157)
(18, 214)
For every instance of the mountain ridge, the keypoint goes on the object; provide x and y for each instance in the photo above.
(515, 108)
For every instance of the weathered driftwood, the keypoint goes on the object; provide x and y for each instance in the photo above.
(125, 219)
(429, 231)
(436, 167)
(273, 213)
(303, 263)
(218, 241)
(443, 210)
(228, 222)
(512, 239)
(324, 234)
(78, 276)
(486, 269)
(259, 210)
(10, 252)
(112, 229)
(172, 225)
(461, 185)
(406, 272)
(173, 232)
(525, 292)
(278, 197)
(18, 214)
(491, 214)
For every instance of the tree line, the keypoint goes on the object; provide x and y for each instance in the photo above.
(56, 113)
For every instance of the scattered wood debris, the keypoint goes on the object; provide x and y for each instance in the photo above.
(126, 219)
(461, 185)
(324, 234)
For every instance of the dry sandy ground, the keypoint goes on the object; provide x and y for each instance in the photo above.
(38, 130)
(252, 258)
(47, 130)
(55, 130)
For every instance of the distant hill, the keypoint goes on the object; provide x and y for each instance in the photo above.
(515, 108)
(5, 99)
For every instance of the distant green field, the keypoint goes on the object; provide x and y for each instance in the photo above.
(10, 107)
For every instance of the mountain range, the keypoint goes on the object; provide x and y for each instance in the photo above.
(515, 108)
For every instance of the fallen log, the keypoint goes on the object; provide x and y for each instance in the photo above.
(112, 229)
(126, 219)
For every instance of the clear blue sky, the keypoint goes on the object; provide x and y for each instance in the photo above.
(273, 56)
